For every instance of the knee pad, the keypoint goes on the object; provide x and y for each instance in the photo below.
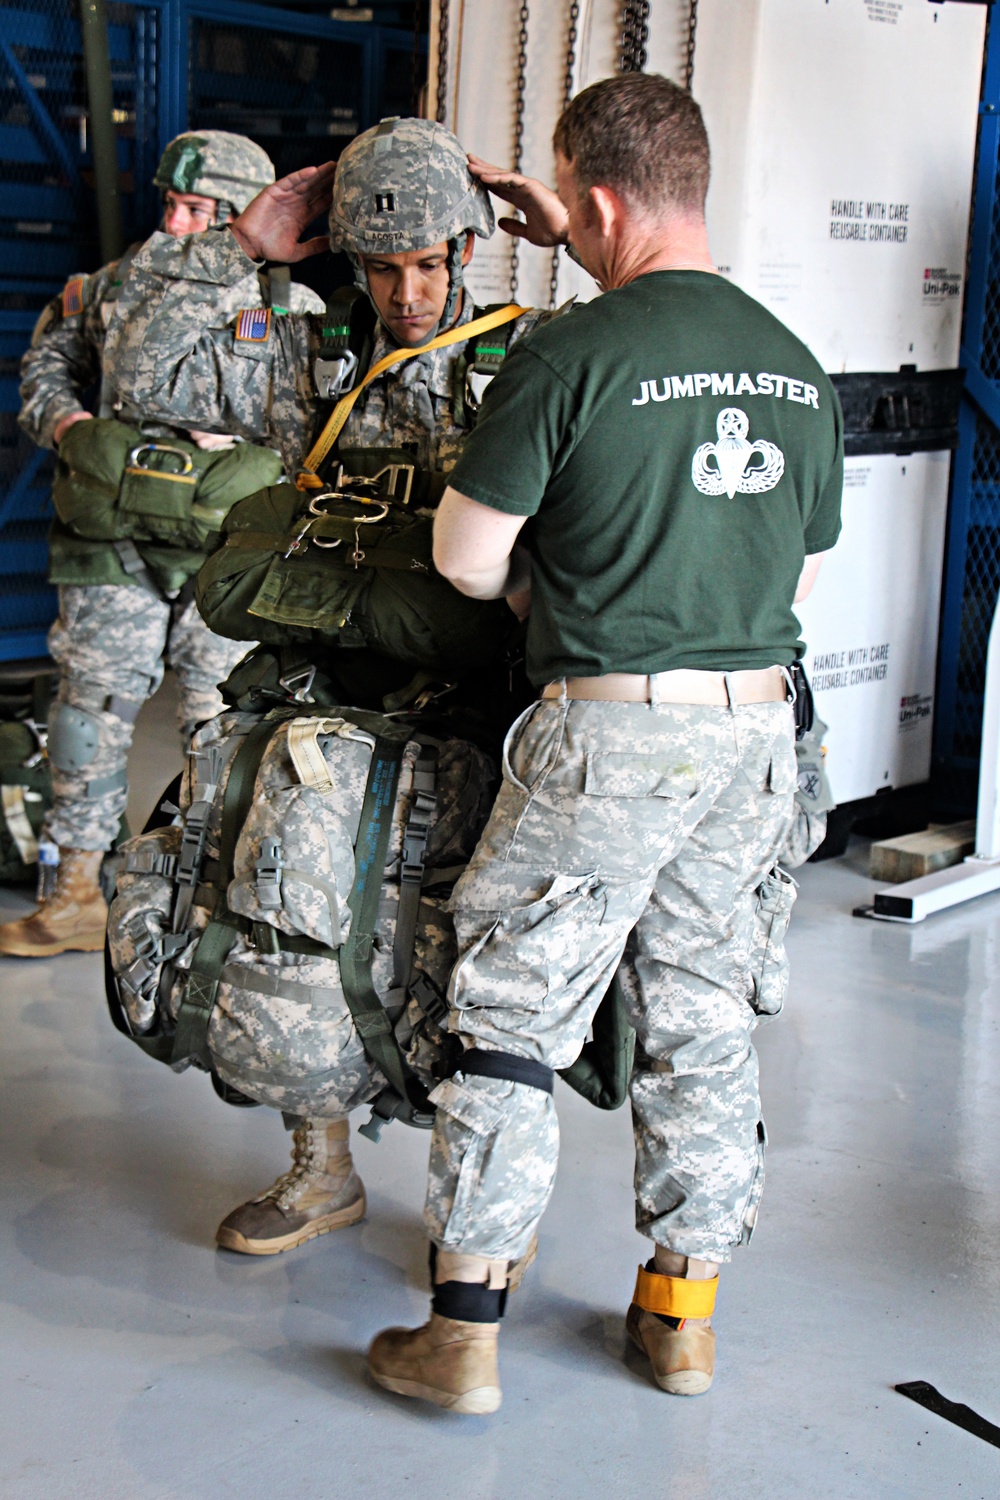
(74, 737)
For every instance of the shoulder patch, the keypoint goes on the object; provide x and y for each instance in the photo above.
(253, 324)
(72, 297)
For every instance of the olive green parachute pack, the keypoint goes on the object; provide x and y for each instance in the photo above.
(345, 566)
(159, 503)
(289, 931)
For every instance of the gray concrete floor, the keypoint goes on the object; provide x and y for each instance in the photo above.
(141, 1364)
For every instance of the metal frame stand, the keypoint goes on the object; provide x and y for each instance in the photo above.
(979, 874)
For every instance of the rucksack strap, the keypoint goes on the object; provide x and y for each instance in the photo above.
(308, 477)
(411, 873)
(190, 1042)
(405, 1097)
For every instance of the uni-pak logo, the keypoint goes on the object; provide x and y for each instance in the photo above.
(725, 467)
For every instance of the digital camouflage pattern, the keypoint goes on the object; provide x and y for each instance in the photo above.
(405, 185)
(114, 642)
(281, 1031)
(64, 360)
(172, 354)
(232, 169)
(619, 828)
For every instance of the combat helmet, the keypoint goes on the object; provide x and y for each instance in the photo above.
(406, 185)
(232, 169)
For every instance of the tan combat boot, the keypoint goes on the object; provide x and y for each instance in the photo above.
(72, 919)
(450, 1361)
(321, 1192)
(670, 1321)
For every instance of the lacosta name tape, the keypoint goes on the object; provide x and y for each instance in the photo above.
(253, 325)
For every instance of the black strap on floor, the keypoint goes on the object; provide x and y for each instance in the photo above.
(508, 1065)
(928, 1396)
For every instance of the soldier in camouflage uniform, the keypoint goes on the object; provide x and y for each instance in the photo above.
(646, 795)
(114, 631)
(406, 210)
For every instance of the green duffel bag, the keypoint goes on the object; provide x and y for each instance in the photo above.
(348, 568)
(113, 484)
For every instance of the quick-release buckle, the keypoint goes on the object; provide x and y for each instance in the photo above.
(334, 376)
(305, 676)
(267, 872)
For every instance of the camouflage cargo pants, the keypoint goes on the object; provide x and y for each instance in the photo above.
(619, 828)
(111, 644)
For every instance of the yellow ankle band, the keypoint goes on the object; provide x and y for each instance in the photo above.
(674, 1296)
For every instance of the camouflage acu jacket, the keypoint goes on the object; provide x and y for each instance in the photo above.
(172, 352)
(64, 360)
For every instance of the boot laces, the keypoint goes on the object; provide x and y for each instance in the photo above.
(291, 1184)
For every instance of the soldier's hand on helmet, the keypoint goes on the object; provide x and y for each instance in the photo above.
(270, 227)
(211, 442)
(63, 426)
(545, 221)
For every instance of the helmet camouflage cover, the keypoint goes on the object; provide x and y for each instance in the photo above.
(405, 185)
(232, 169)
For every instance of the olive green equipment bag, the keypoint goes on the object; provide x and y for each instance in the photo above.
(164, 500)
(351, 565)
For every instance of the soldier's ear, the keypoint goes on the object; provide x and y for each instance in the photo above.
(468, 248)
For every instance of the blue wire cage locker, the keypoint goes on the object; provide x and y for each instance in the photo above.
(300, 83)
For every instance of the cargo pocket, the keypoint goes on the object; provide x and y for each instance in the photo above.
(529, 951)
(456, 1202)
(756, 1187)
(768, 958)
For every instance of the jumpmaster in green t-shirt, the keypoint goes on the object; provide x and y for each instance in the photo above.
(680, 453)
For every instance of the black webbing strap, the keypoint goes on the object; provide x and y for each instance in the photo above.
(509, 1065)
(412, 862)
(198, 1000)
(370, 851)
(929, 1397)
(279, 289)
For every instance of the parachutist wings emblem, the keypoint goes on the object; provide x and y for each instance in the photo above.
(725, 466)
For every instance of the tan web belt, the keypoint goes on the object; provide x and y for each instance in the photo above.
(715, 689)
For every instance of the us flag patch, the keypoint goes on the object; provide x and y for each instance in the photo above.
(72, 298)
(253, 325)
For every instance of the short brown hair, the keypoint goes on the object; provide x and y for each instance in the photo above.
(640, 135)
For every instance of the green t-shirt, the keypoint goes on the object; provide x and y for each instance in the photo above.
(680, 452)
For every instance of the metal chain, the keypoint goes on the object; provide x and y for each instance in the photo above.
(689, 50)
(442, 63)
(416, 82)
(568, 81)
(522, 63)
(634, 40)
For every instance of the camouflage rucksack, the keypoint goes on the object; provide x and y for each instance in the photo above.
(289, 930)
(25, 780)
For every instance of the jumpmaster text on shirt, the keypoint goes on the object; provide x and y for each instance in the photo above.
(675, 387)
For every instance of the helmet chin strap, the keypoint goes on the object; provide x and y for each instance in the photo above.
(456, 283)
